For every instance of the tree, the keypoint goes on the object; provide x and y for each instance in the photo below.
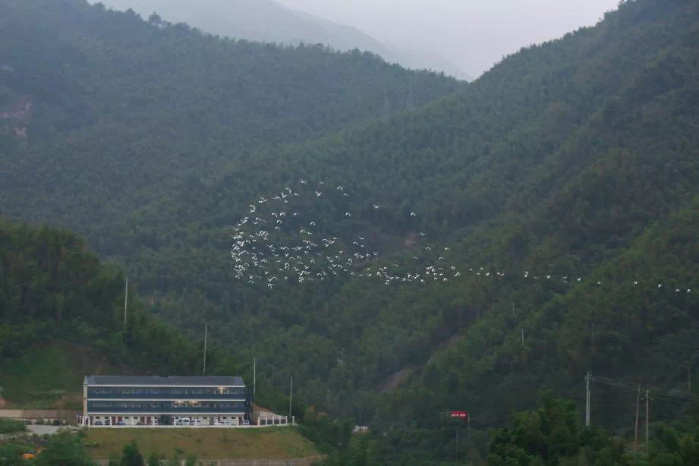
(154, 18)
(549, 435)
(131, 455)
(153, 459)
(64, 449)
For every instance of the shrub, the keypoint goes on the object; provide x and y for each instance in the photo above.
(10, 426)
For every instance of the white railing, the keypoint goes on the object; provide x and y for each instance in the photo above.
(262, 421)
(275, 420)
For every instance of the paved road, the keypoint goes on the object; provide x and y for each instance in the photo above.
(41, 430)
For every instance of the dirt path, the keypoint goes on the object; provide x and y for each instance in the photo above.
(394, 381)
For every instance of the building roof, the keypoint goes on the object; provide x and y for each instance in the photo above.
(177, 381)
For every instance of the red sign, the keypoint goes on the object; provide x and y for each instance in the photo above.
(460, 414)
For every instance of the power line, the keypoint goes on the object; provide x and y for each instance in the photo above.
(614, 382)
(671, 393)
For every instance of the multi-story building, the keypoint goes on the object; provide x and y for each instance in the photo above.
(146, 400)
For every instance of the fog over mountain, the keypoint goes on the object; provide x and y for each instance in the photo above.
(270, 21)
(474, 35)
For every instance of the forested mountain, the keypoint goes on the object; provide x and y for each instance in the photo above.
(53, 289)
(129, 109)
(55, 293)
(260, 21)
(270, 21)
(574, 159)
(559, 161)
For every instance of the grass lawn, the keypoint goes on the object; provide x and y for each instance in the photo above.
(268, 443)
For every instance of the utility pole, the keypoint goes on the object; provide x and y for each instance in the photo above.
(647, 419)
(513, 309)
(457, 443)
(635, 436)
(522, 338)
(342, 360)
(689, 378)
(291, 392)
(254, 377)
(587, 399)
(126, 301)
(206, 338)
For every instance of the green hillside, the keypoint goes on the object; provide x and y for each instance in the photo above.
(556, 161)
(132, 111)
(61, 316)
(50, 376)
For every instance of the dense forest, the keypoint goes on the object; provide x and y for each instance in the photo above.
(552, 434)
(132, 111)
(53, 289)
(560, 186)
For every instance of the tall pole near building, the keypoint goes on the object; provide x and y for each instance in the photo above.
(291, 392)
(342, 361)
(254, 377)
(206, 338)
(647, 419)
(457, 443)
(638, 408)
(126, 301)
(587, 399)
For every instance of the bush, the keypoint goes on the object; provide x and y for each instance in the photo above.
(154, 459)
(131, 455)
(10, 426)
(64, 449)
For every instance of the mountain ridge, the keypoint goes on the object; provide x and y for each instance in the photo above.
(270, 21)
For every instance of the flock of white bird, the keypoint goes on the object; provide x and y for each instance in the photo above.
(275, 243)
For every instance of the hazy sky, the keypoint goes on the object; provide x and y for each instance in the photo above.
(473, 34)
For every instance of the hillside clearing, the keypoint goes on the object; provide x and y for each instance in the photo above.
(51, 376)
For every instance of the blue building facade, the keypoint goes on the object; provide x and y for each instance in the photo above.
(147, 400)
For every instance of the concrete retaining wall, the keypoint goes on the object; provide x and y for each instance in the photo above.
(309, 461)
(41, 414)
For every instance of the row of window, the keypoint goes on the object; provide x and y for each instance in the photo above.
(165, 392)
(166, 406)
